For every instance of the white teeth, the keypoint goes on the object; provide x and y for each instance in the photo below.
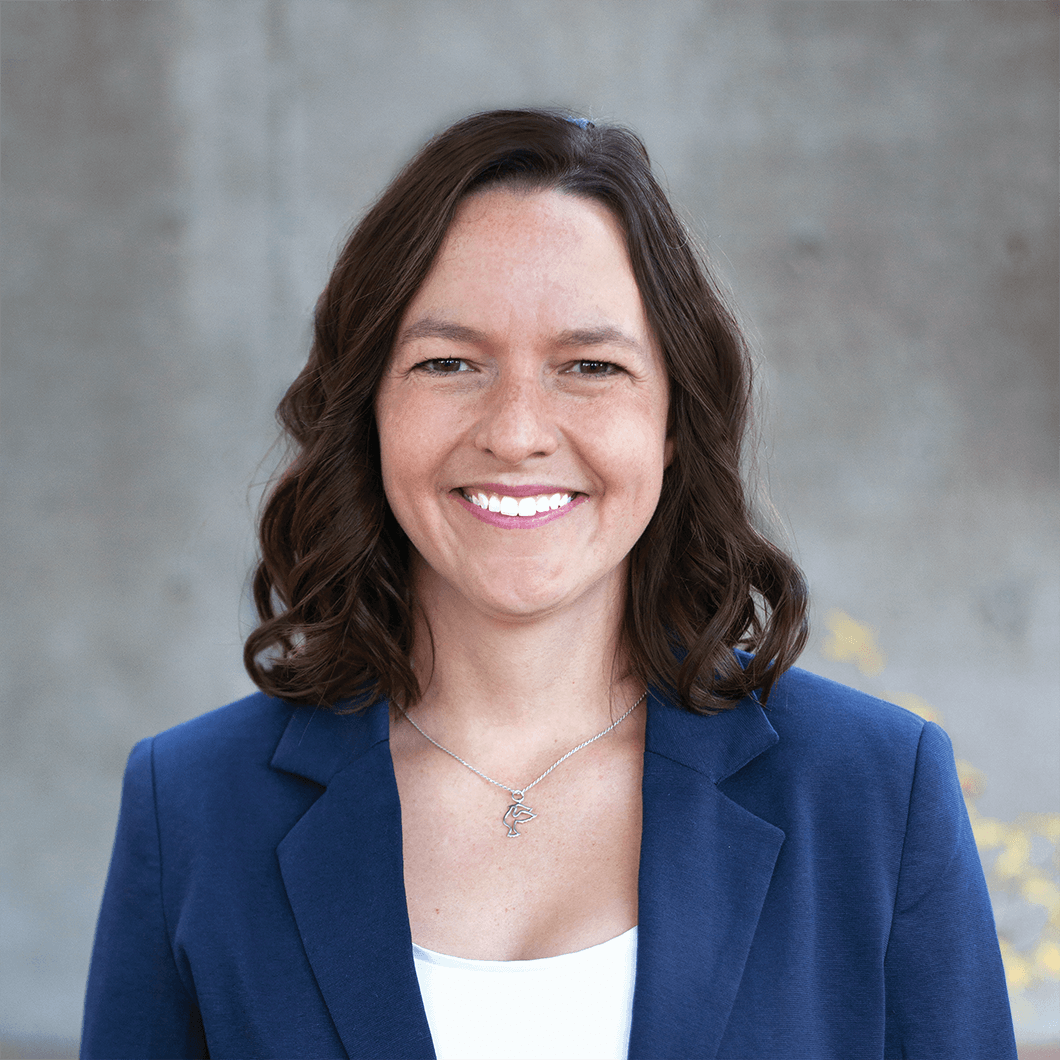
(522, 506)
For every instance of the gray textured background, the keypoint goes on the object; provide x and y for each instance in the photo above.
(877, 182)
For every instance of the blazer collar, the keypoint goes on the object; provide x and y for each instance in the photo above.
(716, 746)
(706, 864)
(318, 743)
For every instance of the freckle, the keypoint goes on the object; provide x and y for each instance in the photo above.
(437, 910)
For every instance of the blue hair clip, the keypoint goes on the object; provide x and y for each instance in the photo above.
(582, 123)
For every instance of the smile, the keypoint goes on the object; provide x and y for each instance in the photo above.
(527, 512)
(523, 507)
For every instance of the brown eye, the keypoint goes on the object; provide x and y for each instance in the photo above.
(594, 368)
(444, 366)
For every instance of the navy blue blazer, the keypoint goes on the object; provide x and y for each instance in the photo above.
(809, 889)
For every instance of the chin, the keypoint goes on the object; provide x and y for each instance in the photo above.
(536, 598)
(521, 606)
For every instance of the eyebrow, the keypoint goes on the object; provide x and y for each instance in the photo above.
(431, 328)
(606, 335)
(575, 338)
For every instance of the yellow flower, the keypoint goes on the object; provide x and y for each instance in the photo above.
(1042, 892)
(850, 640)
(1047, 960)
(1013, 860)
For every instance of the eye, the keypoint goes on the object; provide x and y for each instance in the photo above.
(443, 366)
(594, 368)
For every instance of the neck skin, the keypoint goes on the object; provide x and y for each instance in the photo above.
(503, 692)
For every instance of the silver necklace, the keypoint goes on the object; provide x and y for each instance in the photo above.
(518, 812)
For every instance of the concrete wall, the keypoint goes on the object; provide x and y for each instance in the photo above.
(877, 182)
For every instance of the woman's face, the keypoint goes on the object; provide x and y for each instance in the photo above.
(525, 379)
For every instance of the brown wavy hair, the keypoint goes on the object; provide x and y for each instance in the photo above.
(332, 587)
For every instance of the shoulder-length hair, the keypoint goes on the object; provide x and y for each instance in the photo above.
(332, 587)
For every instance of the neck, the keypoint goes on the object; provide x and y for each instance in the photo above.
(551, 679)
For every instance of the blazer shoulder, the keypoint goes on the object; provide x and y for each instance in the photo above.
(803, 704)
(213, 788)
(246, 730)
(258, 737)
(856, 774)
(836, 740)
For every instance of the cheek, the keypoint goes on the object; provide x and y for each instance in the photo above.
(413, 450)
(396, 448)
(403, 484)
(635, 440)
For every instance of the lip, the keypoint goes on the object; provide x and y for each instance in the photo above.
(517, 522)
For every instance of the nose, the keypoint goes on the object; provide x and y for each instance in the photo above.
(515, 423)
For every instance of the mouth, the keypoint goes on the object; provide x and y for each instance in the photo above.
(524, 507)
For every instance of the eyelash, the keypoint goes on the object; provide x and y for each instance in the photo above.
(431, 367)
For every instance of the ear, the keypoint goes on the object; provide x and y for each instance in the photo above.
(668, 452)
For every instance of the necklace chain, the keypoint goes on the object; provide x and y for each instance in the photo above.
(518, 793)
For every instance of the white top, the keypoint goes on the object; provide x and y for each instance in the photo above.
(576, 1006)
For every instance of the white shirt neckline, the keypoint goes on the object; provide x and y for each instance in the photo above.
(574, 1006)
(532, 964)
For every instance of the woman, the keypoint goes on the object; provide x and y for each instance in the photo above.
(512, 788)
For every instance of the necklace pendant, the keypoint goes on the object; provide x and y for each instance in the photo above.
(517, 812)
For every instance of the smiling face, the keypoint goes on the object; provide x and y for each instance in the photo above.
(522, 417)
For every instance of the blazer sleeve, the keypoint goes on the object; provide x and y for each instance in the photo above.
(946, 994)
(137, 1003)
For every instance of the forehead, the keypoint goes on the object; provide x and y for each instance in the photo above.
(542, 214)
(545, 255)
(534, 225)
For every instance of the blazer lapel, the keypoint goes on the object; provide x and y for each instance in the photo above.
(705, 867)
(342, 868)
